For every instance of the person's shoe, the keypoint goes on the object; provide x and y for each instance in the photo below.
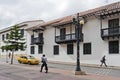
(46, 72)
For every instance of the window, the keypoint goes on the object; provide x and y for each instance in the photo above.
(62, 33)
(22, 47)
(22, 32)
(3, 37)
(87, 48)
(113, 47)
(56, 50)
(69, 48)
(113, 23)
(41, 37)
(32, 39)
(32, 50)
(7, 36)
(40, 49)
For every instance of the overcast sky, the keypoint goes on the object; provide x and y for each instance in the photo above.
(17, 11)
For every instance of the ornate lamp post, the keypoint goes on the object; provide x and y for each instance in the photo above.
(78, 22)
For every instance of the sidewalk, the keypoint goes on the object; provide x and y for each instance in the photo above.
(72, 63)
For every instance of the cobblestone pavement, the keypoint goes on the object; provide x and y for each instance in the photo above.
(31, 72)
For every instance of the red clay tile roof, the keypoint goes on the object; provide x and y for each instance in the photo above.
(45, 24)
(99, 10)
(65, 20)
(112, 6)
(68, 19)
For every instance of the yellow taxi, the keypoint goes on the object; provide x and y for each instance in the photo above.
(28, 60)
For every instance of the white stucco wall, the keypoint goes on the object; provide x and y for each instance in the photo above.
(49, 42)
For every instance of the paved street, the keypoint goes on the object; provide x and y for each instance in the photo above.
(31, 72)
(56, 72)
(93, 70)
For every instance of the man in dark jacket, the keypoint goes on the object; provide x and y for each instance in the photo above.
(44, 63)
(103, 61)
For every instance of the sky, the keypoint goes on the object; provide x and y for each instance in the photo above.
(16, 11)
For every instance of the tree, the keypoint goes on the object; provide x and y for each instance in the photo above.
(15, 41)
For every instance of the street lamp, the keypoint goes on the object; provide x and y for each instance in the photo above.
(78, 22)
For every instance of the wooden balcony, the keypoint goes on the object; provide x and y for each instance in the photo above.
(110, 32)
(68, 38)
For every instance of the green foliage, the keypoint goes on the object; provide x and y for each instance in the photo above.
(15, 40)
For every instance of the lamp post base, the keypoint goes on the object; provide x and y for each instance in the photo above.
(80, 73)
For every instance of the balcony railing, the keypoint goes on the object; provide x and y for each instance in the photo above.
(67, 38)
(37, 40)
(110, 32)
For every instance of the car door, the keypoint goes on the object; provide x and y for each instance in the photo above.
(24, 59)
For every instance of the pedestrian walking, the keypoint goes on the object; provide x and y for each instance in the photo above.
(44, 63)
(103, 61)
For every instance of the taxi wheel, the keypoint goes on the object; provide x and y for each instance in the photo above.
(29, 63)
(19, 61)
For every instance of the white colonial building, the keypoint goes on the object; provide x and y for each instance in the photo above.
(57, 38)
(100, 36)
(23, 26)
